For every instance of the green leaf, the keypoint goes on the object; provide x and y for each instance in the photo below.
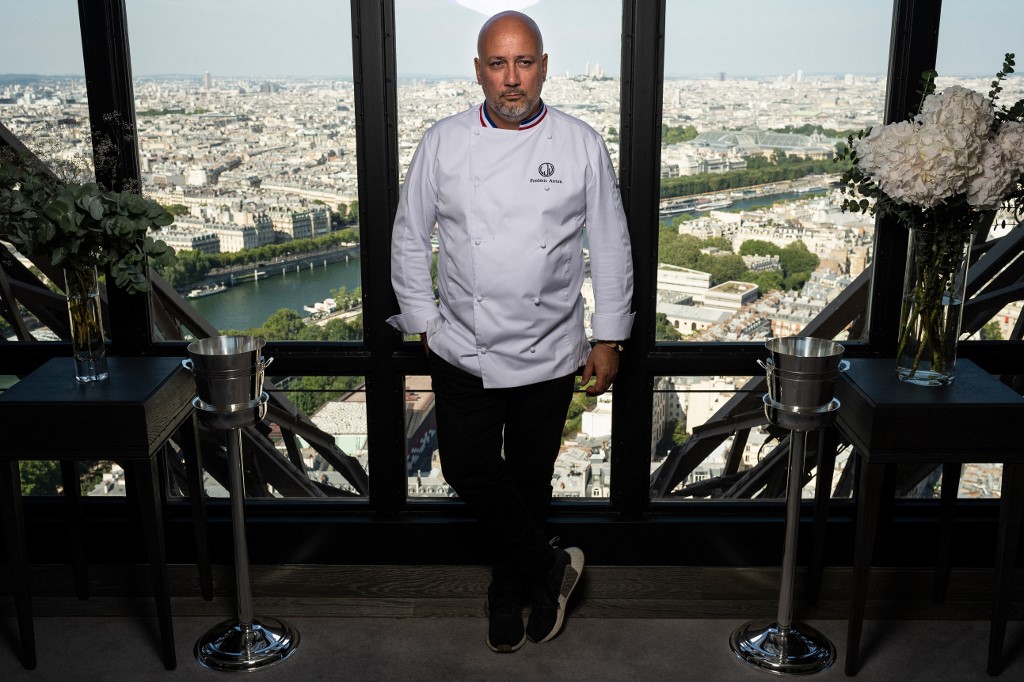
(94, 206)
(163, 220)
(135, 204)
(60, 205)
(66, 223)
(123, 226)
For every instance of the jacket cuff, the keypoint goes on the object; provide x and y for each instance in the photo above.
(416, 321)
(611, 327)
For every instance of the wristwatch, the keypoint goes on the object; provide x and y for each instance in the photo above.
(614, 345)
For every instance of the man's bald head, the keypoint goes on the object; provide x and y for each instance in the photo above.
(504, 20)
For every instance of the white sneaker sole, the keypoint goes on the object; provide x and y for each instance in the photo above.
(569, 581)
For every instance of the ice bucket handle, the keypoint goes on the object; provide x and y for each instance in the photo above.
(768, 365)
(190, 366)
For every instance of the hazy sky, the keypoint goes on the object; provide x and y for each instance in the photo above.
(438, 37)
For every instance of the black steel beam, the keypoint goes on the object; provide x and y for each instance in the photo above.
(108, 77)
(643, 55)
(373, 59)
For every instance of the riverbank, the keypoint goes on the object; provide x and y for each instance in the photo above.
(278, 267)
(741, 198)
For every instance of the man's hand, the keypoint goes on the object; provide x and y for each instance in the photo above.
(603, 364)
(423, 340)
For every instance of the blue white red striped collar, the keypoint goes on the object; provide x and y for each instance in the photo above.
(525, 124)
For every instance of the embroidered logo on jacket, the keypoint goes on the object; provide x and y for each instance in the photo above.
(546, 170)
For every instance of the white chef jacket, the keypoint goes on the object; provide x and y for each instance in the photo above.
(510, 207)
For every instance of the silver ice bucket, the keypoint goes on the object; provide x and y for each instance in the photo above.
(802, 371)
(804, 354)
(228, 371)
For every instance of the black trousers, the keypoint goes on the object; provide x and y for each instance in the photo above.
(510, 495)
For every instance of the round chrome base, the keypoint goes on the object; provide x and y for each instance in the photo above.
(229, 647)
(797, 418)
(233, 417)
(798, 650)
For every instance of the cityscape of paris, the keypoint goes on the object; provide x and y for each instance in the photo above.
(253, 161)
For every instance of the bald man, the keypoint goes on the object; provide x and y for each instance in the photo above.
(511, 184)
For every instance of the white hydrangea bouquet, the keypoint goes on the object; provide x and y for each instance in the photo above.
(942, 173)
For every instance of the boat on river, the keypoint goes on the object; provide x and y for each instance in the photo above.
(206, 291)
(714, 203)
(677, 207)
(328, 305)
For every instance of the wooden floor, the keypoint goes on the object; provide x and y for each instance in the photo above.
(458, 591)
(426, 623)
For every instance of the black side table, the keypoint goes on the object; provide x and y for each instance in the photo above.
(890, 422)
(126, 418)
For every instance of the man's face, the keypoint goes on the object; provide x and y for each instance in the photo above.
(511, 71)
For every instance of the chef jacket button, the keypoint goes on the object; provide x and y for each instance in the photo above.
(479, 298)
(476, 183)
(536, 301)
(477, 132)
(477, 242)
(483, 351)
(549, 136)
(543, 245)
(533, 349)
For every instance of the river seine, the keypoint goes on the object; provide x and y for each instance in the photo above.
(249, 305)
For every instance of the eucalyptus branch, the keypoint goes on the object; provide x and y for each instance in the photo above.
(927, 86)
(80, 225)
(997, 87)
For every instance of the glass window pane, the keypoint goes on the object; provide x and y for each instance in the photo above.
(436, 43)
(973, 39)
(751, 239)
(43, 103)
(711, 439)
(42, 97)
(582, 467)
(321, 457)
(422, 459)
(972, 45)
(41, 477)
(246, 133)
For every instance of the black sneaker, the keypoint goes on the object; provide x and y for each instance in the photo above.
(549, 598)
(504, 609)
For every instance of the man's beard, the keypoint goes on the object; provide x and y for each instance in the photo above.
(514, 112)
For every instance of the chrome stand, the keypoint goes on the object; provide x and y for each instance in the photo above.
(247, 643)
(782, 646)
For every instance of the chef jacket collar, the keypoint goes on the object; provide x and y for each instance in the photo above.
(525, 124)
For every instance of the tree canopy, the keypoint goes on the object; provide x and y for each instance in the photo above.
(759, 171)
(685, 251)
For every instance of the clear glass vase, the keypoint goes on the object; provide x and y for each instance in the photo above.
(84, 312)
(933, 301)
